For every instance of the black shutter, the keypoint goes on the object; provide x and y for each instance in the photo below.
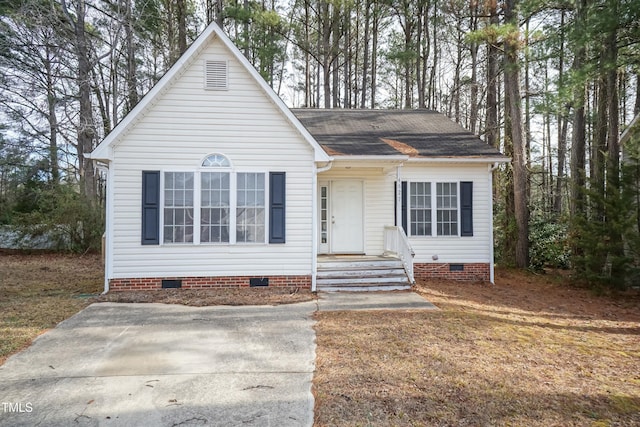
(277, 201)
(466, 208)
(405, 198)
(150, 207)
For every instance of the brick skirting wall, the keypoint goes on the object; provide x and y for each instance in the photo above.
(155, 283)
(470, 272)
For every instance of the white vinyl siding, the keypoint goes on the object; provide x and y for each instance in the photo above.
(455, 249)
(184, 125)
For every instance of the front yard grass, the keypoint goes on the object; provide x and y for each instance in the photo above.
(529, 351)
(40, 290)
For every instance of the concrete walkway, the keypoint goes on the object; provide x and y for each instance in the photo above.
(401, 300)
(166, 365)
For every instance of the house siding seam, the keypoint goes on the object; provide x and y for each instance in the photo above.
(212, 282)
(472, 272)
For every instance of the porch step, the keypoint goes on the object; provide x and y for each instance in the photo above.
(361, 274)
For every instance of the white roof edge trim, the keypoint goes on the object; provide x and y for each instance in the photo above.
(627, 132)
(459, 160)
(408, 159)
(383, 158)
(102, 151)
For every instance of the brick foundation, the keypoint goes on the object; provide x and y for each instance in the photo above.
(155, 283)
(476, 272)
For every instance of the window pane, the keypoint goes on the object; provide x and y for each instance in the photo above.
(420, 208)
(447, 208)
(178, 207)
(250, 209)
(214, 207)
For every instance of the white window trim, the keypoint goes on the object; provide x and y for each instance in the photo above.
(434, 210)
(233, 196)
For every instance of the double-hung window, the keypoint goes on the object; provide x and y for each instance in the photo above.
(427, 197)
(250, 207)
(447, 208)
(178, 207)
(420, 208)
(231, 207)
(215, 206)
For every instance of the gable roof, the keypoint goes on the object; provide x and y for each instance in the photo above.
(104, 150)
(415, 133)
(626, 135)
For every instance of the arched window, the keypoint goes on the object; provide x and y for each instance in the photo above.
(216, 161)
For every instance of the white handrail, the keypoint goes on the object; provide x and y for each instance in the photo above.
(396, 242)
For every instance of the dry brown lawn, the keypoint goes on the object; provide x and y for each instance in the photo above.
(529, 351)
(38, 291)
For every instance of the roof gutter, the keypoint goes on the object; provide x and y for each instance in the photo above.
(492, 159)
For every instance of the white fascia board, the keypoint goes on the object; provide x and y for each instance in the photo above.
(459, 160)
(627, 132)
(104, 150)
(370, 158)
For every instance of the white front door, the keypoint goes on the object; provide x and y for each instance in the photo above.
(347, 213)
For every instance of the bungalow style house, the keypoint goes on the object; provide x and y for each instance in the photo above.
(213, 182)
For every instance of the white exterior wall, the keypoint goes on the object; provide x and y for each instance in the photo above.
(379, 209)
(455, 249)
(378, 201)
(183, 126)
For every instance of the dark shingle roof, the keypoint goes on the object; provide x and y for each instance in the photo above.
(417, 133)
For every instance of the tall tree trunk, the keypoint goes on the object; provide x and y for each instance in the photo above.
(326, 52)
(473, 113)
(132, 71)
(181, 17)
(492, 136)
(578, 141)
(52, 118)
(520, 173)
(86, 128)
(563, 121)
(374, 51)
(365, 59)
(599, 147)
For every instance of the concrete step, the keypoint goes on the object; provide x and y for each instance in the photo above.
(359, 265)
(357, 281)
(378, 272)
(364, 274)
(372, 288)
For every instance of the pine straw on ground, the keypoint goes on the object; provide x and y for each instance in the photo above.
(529, 351)
(206, 297)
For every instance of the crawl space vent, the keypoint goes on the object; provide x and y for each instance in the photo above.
(258, 281)
(216, 75)
(171, 284)
(456, 267)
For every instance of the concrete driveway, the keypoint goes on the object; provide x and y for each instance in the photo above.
(166, 365)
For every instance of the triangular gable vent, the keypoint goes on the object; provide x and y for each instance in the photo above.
(216, 75)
